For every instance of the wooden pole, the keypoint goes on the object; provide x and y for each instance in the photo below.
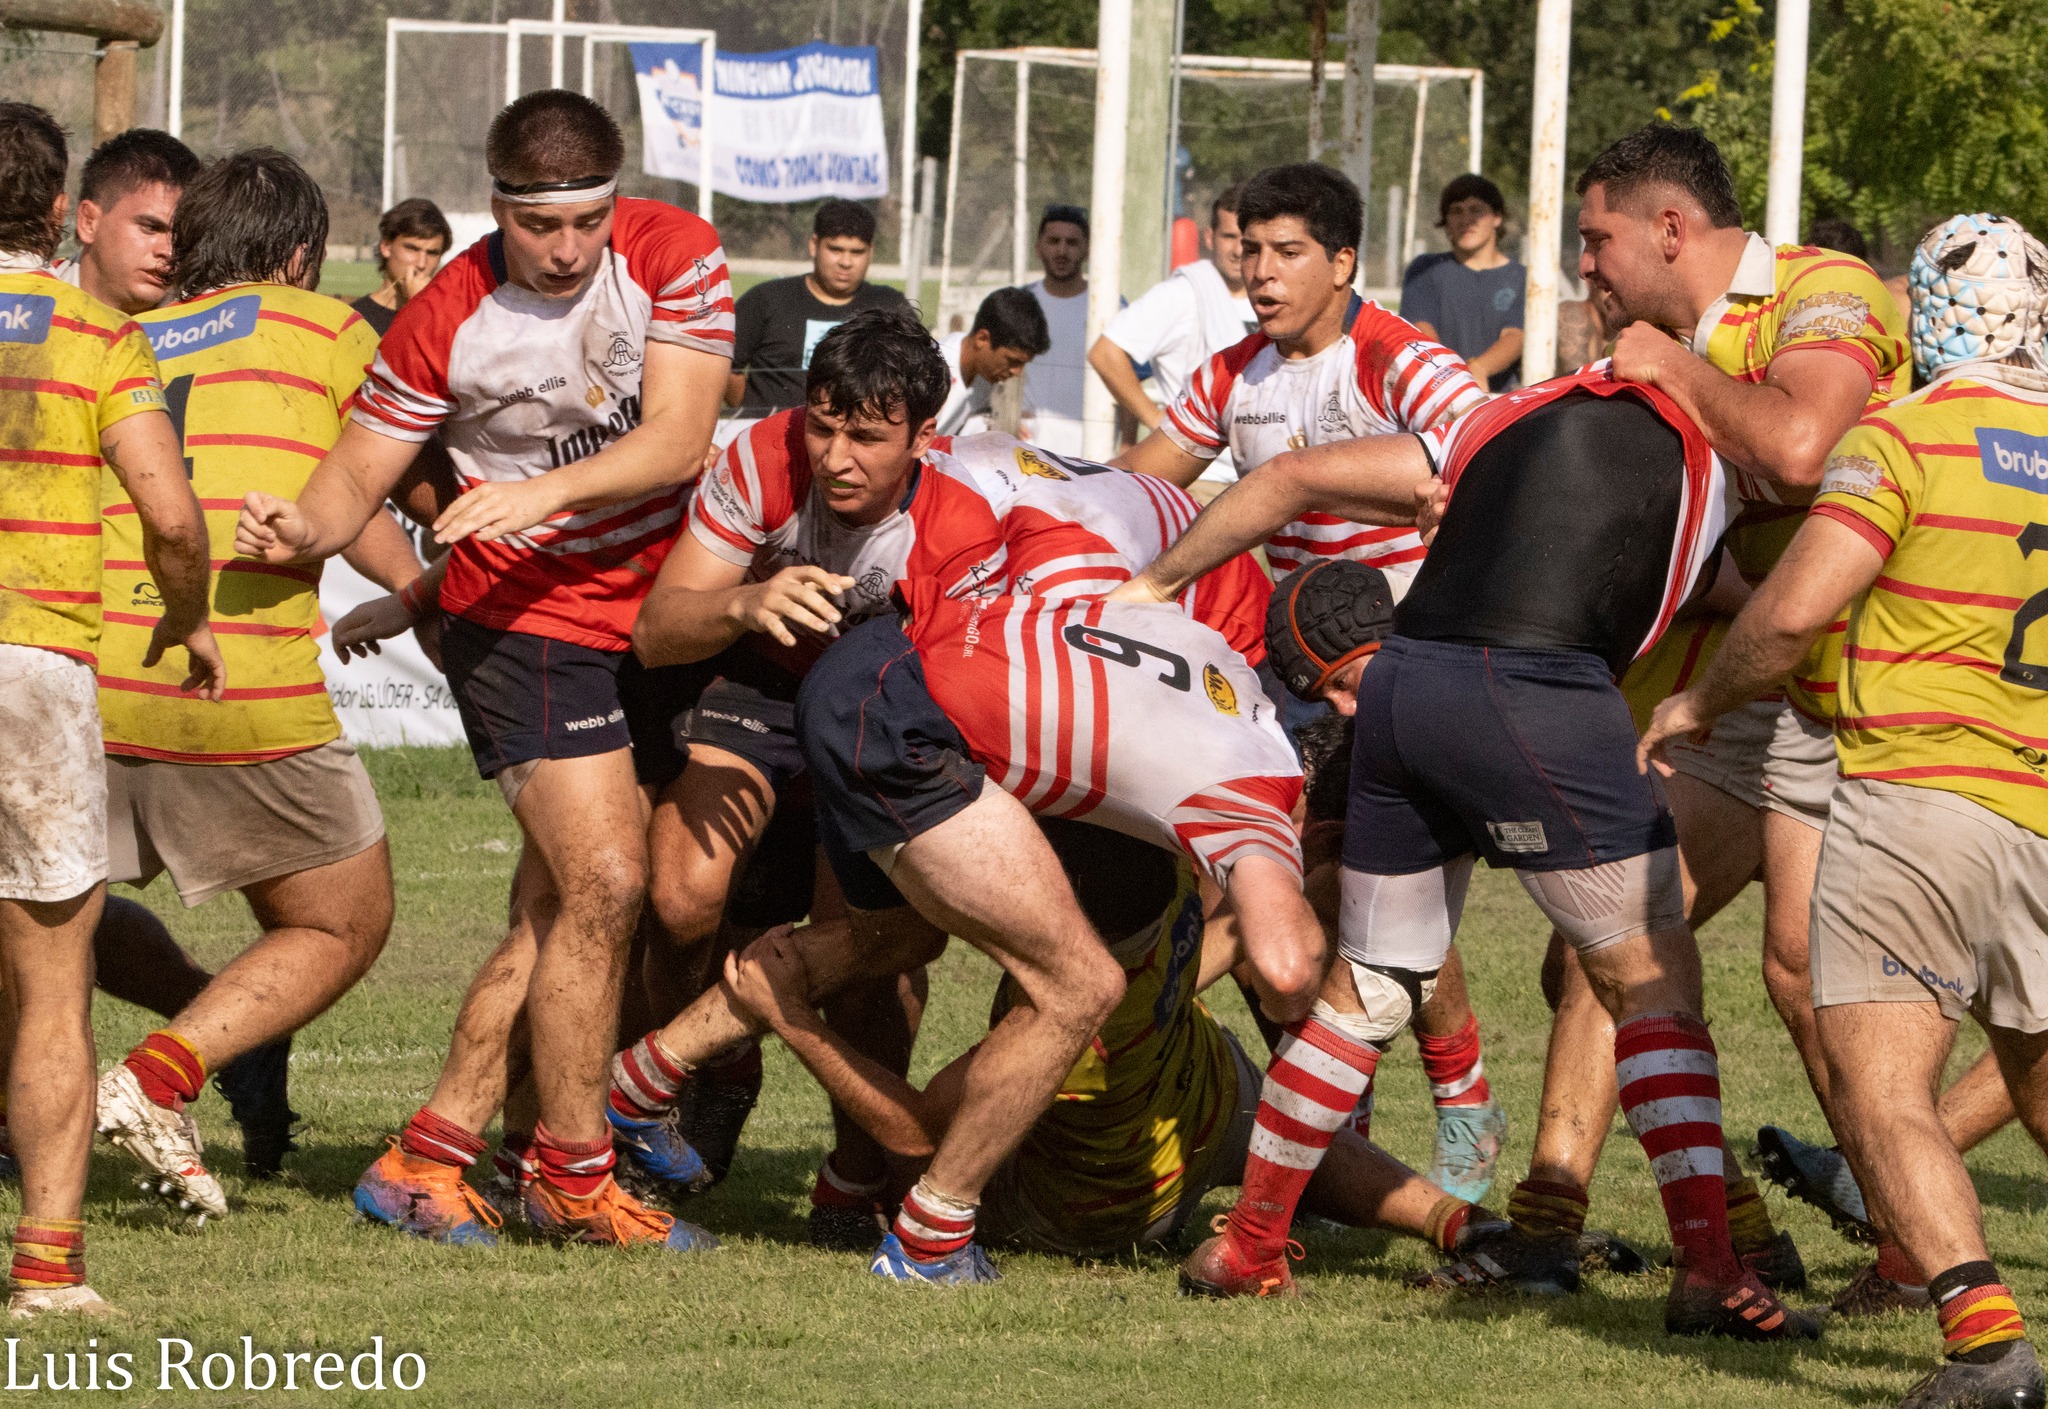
(131, 20)
(113, 90)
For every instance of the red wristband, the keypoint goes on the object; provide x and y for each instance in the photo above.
(412, 597)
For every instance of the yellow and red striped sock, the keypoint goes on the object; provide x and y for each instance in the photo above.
(168, 1068)
(1749, 1217)
(1977, 1312)
(48, 1252)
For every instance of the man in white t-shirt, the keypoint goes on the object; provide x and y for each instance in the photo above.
(1009, 330)
(1053, 384)
(1178, 325)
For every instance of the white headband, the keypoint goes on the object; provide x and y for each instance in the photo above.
(556, 192)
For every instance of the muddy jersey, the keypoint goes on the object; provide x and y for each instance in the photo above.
(761, 509)
(1130, 717)
(517, 385)
(1382, 376)
(1075, 528)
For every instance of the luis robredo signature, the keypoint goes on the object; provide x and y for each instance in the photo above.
(178, 1364)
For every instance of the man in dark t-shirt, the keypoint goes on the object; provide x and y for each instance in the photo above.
(781, 321)
(1470, 299)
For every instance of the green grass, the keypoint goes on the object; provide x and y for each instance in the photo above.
(770, 1321)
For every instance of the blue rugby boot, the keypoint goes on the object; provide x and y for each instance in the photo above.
(655, 1161)
(970, 1264)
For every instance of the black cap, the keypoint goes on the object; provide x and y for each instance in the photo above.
(1324, 616)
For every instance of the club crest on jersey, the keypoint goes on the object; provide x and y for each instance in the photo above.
(1330, 419)
(209, 327)
(25, 318)
(1852, 474)
(622, 355)
(2010, 457)
(1035, 464)
(1221, 693)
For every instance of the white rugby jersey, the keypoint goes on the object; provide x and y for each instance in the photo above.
(517, 385)
(1383, 376)
(1131, 717)
(1075, 528)
(760, 508)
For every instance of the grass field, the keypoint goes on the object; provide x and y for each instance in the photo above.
(769, 1321)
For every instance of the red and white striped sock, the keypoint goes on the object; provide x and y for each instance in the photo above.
(515, 1158)
(646, 1079)
(429, 1136)
(1457, 1076)
(1670, 1083)
(1361, 1117)
(1312, 1086)
(577, 1168)
(932, 1225)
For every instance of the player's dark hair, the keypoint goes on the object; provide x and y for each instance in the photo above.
(416, 219)
(844, 220)
(1013, 319)
(879, 364)
(1470, 186)
(1226, 199)
(1325, 744)
(33, 159)
(141, 156)
(249, 218)
(1064, 215)
(1661, 154)
(553, 135)
(1321, 197)
(1831, 232)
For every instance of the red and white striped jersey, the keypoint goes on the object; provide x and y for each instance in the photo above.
(517, 385)
(1075, 528)
(1132, 717)
(761, 509)
(1381, 377)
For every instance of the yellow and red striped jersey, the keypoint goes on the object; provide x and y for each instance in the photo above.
(1945, 665)
(70, 368)
(260, 379)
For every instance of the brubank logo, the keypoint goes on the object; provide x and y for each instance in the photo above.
(2012, 458)
(25, 317)
(210, 327)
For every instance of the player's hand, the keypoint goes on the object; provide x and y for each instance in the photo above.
(769, 983)
(799, 597)
(357, 634)
(1140, 589)
(208, 675)
(492, 510)
(1645, 353)
(271, 530)
(1675, 716)
(1432, 497)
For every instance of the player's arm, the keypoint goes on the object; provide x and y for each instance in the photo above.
(1780, 429)
(144, 454)
(346, 489)
(701, 603)
(1159, 456)
(735, 388)
(1827, 565)
(679, 393)
(1370, 480)
(1505, 353)
(1278, 933)
(768, 984)
(383, 553)
(1120, 375)
(412, 608)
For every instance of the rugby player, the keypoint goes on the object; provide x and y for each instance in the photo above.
(571, 363)
(1931, 899)
(81, 391)
(127, 200)
(1490, 725)
(259, 374)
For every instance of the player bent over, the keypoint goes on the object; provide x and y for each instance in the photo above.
(82, 392)
(1931, 899)
(1489, 725)
(571, 364)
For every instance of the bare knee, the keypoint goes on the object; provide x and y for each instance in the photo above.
(685, 906)
(604, 891)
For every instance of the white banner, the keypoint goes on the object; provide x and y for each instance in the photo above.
(793, 125)
(396, 697)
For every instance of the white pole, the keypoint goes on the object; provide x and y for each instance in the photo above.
(512, 65)
(561, 16)
(1475, 131)
(176, 120)
(1175, 203)
(913, 23)
(1415, 169)
(706, 91)
(1106, 213)
(1020, 186)
(390, 107)
(1546, 188)
(952, 194)
(1788, 124)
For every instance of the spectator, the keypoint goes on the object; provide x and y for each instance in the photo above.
(1178, 325)
(1053, 383)
(127, 195)
(781, 321)
(412, 239)
(1470, 300)
(1009, 330)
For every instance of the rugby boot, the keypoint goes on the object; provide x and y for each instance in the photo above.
(505, 1190)
(844, 1219)
(25, 1303)
(1604, 1250)
(1221, 1268)
(970, 1264)
(1778, 1264)
(612, 1217)
(1501, 1257)
(1743, 1309)
(721, 1099)
(255, 1086)
(655, 1161)
(1819, 1176)
(1871, 1293)
(1468, 1144)
(426, 1199)
(2013, 1381)
(165, 1142)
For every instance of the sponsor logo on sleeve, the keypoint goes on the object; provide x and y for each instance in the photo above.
(26, 318)
(2010, 457)
(1221, 693)
(209, 327)
(1829, 316)
(1852, 474)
